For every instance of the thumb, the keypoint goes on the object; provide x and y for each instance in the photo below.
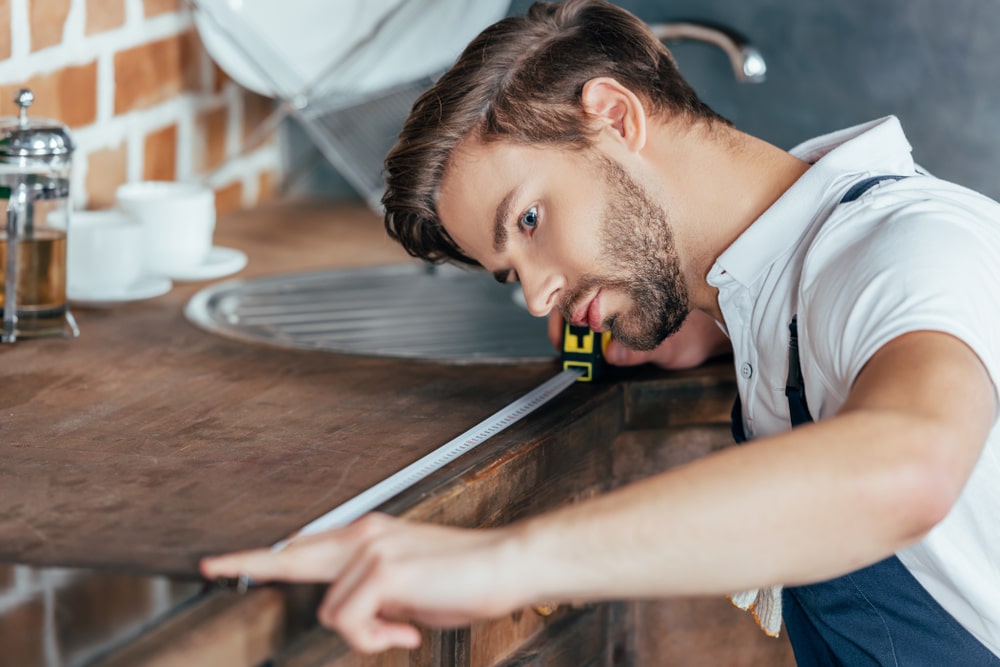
(617, 354)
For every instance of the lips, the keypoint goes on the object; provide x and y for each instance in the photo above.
(589, 315)
(594, 313)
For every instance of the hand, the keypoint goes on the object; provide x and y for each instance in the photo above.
(388, 574)
(698, 340)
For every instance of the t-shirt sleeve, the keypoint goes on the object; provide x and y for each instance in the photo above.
(924, 265)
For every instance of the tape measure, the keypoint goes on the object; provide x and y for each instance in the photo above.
(398, 482)
(583, 349)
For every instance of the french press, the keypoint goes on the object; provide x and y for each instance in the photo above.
(35, 156)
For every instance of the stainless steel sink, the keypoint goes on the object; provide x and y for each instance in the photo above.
(413, 311)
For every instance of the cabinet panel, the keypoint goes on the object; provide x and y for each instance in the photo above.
(578, 639)
(494, 640)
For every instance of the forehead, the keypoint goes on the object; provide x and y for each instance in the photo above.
(480, 176)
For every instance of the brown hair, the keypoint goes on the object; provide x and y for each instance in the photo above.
(521, 80)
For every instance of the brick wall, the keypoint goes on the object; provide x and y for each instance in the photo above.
(143, 101)
(140, 95)
(54, 617)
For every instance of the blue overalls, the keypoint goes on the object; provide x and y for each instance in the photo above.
(878, 615)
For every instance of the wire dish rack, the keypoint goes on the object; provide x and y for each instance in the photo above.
(356, 132)
(346, 72)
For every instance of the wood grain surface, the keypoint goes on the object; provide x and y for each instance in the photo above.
(147, 442)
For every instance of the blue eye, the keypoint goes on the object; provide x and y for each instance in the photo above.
(529, 220)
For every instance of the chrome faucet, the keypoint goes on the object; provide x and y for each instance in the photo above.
(747, 62)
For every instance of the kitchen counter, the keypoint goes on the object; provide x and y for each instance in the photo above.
(146, 443)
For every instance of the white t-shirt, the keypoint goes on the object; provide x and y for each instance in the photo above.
(914, 254)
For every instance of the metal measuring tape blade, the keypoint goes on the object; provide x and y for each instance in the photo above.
(391, 486)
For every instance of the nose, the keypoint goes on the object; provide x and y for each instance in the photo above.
(541, 292)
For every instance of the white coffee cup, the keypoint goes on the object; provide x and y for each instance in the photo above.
(177, 219)
(103, 253)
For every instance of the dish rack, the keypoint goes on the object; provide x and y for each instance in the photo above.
(353, 124)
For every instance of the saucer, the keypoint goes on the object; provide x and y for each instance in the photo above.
(146, 287)
(219, 262)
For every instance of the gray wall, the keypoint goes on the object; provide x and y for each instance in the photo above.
(932, 63)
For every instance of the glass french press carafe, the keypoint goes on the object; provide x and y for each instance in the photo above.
(35, 156)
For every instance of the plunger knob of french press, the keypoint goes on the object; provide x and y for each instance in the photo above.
(23, 98)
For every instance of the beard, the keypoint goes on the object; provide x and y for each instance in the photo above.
(637, 243)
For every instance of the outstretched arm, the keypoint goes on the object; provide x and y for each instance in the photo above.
(812, 503)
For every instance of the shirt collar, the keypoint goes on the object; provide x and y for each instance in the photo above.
(838, 160)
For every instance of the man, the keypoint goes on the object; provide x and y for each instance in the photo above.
(564, 151)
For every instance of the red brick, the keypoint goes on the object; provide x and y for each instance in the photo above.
(68, 95)
(161, 155)
(106, 170)
(197, 78)
(21, 634)
(93, 611)
(256, 109)
(219, 78)
(212, 129)
(4, 29)
(47, 18)
(157, 7)
(151, 73)
(104, 15)
(228, 199)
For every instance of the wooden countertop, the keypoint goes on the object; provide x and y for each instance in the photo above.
(147, 442)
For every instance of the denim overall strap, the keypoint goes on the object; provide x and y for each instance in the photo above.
(795, 386)
(867, 184)
(795, 390)
(879, 615)
(798, 410)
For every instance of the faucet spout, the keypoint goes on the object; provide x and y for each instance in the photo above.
(747, 62)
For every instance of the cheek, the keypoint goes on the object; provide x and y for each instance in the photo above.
(580, 253)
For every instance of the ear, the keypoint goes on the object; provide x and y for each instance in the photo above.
(614, 107)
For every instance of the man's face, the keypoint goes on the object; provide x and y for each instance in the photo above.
(575, 229)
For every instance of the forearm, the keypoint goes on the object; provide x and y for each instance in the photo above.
(801, 506)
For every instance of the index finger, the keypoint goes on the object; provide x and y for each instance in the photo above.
(308, 561)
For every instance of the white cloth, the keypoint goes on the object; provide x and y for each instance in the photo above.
(915, 254)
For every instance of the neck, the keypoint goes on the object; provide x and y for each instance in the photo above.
(716, 181)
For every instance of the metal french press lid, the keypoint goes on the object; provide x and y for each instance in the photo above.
(22, 137)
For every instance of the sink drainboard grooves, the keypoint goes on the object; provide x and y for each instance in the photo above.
(407, 311)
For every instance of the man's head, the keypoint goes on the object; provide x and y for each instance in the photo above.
(521, 81)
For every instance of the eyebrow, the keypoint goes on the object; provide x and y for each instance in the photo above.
(500, 232)
(500, 221)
